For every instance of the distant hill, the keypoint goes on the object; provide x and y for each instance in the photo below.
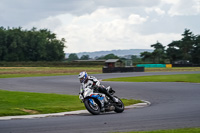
(120, 53)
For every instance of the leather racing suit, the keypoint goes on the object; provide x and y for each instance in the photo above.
(92, 82)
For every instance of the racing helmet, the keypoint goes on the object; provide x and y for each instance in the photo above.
(83, 76)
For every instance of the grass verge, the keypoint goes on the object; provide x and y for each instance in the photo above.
(172, 69)
(25, 103)
(193, 78)
(14, 72)
(184, 130)
(33, 75)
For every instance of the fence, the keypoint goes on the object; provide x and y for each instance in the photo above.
(154, 65)
(122, 69)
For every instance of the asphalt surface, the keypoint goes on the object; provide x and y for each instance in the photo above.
(173, 105)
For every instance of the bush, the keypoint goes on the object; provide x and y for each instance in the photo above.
(50, 64)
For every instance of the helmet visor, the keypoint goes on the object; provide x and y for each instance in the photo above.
(81, 80)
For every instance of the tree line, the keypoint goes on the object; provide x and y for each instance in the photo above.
(17, 44)
(186, 50)
(74, 56)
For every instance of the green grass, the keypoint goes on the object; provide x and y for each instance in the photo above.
(24, 103)
(193, 78)
(14, 72)
(33, 75)
(184, 130)
(173, 69)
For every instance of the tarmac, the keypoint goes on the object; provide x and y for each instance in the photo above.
(138, 105)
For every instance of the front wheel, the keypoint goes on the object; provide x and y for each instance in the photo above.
(92, 106)
(119, 107)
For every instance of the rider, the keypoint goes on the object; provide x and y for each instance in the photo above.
(92, 82)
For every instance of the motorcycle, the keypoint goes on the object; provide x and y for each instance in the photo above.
(97, 103)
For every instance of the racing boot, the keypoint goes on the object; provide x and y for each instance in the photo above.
(111, 97)
(110, 90)
(104, 90)
(114, 99)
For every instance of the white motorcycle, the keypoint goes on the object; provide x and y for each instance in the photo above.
(96, 102)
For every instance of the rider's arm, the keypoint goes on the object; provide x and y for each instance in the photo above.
(96, 82)
(81, 92)
(93, 82)
(81, 89)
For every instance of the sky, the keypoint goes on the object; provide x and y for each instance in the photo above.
(95, 25)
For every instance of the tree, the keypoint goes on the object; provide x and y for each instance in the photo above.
(173, 52)
(158, 55)
(146, 56)
(187, 43)
(3, 48)
(72, 57)
(183, 49)
(109, 56)
(134, 58)
(186, 49)
(33, 45)
(84, 57)
(195, 52)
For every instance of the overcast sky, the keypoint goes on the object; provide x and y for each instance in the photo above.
(94, 25)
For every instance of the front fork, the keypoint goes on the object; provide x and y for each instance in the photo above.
(94, 103)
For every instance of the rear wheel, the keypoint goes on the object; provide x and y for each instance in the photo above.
(92, 106)
(119, 107)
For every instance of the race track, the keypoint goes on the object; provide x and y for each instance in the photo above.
(173, 105)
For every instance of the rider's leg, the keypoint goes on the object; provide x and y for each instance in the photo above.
(103, 90)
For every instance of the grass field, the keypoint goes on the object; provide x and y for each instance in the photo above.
(24, 103)
(193, 78)
(184, 130)
(173, 69)
(13, 72)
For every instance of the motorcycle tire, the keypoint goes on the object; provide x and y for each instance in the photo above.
(119, 107)
(93, 109)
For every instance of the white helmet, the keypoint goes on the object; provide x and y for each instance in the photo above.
(83, 76)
